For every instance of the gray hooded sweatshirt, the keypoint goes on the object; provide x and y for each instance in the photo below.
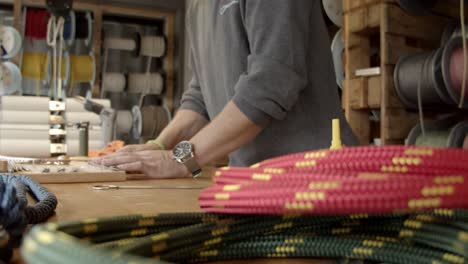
(272, 58)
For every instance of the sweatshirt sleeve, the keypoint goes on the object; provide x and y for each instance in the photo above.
(192, 99)
(277, 32)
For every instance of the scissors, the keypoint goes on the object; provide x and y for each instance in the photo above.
(116, 187)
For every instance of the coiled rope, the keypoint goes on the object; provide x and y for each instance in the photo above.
(390, 204)
(15, 214)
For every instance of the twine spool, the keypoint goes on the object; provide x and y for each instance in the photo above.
(10, 78)
(155, 119)
(337, 48)
(120, 44)
(83, 69)
(145, 83)
(424, 68)
(452, 69)
(10, 42)
(114, 82)
(153, 46)
(36, 23)
(123, 122)
(439, 135)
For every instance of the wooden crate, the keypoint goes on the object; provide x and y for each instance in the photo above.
(383, 26)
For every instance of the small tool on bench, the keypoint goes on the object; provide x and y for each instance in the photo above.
(115, 187)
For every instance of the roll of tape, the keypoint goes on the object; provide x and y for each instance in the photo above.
(153, 46)
(114, 82)
(120, 44)
(10, 42)
(155, 119)
(10, 78)
(145, 83)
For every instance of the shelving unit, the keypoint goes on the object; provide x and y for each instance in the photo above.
(100, 10)
(382, 25)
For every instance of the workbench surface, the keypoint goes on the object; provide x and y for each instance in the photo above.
(78, 201)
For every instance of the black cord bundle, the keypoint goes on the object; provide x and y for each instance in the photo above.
(15, 214)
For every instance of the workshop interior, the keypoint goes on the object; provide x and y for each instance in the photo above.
(81, 80)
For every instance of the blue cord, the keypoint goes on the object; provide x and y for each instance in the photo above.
(15, 214)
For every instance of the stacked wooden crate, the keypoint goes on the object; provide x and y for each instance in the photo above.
(376, 34)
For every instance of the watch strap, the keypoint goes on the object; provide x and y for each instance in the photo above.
(193, 167)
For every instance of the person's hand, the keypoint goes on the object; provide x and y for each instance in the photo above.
(152, 163)
(139, 147)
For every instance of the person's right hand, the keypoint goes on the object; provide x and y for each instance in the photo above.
(139, 147)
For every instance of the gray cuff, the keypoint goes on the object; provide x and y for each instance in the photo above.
(254, 114)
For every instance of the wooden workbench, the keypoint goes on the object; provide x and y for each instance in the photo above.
(78, 201)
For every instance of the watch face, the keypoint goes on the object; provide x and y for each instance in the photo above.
(182, 149)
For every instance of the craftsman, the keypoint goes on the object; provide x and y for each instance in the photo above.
(263, 86)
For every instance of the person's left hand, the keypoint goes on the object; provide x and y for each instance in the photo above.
(153, 163)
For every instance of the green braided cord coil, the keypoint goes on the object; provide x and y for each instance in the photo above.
(439, 236)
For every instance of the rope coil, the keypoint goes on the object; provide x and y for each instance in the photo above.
(15, 213)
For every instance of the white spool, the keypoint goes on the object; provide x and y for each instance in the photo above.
(153, 46)
(123, 122)
(25, 148)
(120, 44)
(10, 78)
(27, 132)
(145, 83)
(10, 42)
(78, 117)
(337, 48)
(114, 82)
(73, 105)
(24, 103)
(24, 117)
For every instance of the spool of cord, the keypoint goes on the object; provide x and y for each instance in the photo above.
(69, 29)
(452, 69)
(123, 123)
(417, 7)
(83, 70)
(36, 23)
(114, 82)
(10, 78)
(84, 26)
(155, 119)
(438, 135)
(145, 83)
(153, 46)
(337, 48)
(421, 70)
(120, 44)
(10, 42)
(35, 65)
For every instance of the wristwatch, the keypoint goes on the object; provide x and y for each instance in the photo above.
(183, 154)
